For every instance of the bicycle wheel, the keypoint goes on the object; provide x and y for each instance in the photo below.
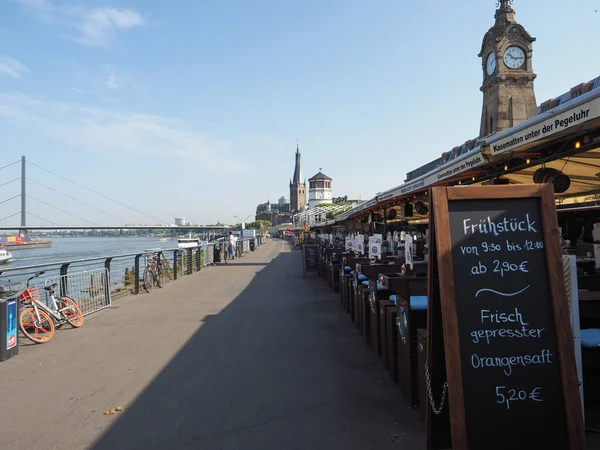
(38, 332)
(148, 279)
(160, 276)
(71, 311)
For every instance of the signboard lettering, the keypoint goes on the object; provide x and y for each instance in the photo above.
(506, 319)
(548, 127)
(440, 174)
(309, 258)
(408, 250)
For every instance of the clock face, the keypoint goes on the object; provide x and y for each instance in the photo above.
(491, 63)
(514, 57)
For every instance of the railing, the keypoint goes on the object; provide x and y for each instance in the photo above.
(89, 289)
(120, 274)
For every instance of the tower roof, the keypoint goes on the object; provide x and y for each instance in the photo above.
(505, 24)
(297, 179)
(319, 176)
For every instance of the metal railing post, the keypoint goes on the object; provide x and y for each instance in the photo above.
(107, 278)
(136, 272)
(189, 269)
(107, 264)
(175, 264)
(199, 251)
(63, 279)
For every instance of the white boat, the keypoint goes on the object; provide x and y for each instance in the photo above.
(189, 242)
(5, 255)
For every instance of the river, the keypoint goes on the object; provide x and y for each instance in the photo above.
(71, 248)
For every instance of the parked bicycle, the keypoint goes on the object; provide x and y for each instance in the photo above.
(37, 320)
(155, 271)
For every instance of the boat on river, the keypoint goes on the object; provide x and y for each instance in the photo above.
(5, 255)
(23, 242)
(190, 242)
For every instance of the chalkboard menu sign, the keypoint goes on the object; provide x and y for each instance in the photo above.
(511, 374)
(310, 258)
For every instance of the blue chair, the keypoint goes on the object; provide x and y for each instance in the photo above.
(590, 338)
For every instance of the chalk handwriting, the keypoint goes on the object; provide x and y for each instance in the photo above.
(487, 316)
(507, 362)
(513, 395)
(495, 227)
(469, 250)
(505, 266)
(487, 336)
(504, 294)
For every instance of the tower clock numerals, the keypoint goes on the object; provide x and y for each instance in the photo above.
(514, 57)
(491, 64)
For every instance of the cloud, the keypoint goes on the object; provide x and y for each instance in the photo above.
(102, 130)
(101, 79)
(96, 27)
(11, 67)
(112, 81)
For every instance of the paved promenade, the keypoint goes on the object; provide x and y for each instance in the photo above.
(248, 356)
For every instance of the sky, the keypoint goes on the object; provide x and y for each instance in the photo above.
(140, 111)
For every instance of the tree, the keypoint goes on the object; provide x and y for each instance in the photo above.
(262, 225)
(331, 214)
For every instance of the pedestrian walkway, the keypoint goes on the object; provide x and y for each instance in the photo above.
(248, 355)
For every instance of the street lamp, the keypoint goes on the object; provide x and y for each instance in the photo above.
(243, 221)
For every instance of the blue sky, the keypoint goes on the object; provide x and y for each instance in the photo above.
(192, 108)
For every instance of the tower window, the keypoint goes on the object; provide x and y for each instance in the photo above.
(491, 124)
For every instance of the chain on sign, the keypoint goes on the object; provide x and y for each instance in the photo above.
(436, 410)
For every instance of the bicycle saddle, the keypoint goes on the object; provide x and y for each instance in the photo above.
(49, 288)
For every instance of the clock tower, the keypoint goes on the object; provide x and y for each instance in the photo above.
(508, 93)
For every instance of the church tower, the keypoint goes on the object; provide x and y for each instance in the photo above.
(508, 94)
(297, 186)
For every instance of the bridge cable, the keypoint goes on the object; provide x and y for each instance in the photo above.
(41, 218)
(9, 199)
(8, 165)
(62, 210)
(73, 198)
(8, 217)
(11, 181)
(98, 193)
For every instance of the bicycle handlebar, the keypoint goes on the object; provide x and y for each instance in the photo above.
(35, 275)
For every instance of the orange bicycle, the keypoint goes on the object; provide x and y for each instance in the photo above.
(37, 320)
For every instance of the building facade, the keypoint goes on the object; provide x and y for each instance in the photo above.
(319, 190)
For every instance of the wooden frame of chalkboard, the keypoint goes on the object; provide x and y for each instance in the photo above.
(310, 258)
(507, 338)
(437, 422)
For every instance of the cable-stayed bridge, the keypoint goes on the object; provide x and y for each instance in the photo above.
(14, 200)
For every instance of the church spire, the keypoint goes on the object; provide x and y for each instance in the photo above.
(297, 180)
(297, 185)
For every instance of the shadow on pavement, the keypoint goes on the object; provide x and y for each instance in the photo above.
(281, 367)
